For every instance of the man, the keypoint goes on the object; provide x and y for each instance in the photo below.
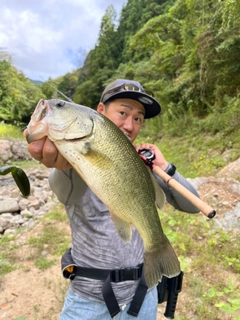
(95, 242)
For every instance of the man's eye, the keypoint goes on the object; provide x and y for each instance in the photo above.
(122, 113)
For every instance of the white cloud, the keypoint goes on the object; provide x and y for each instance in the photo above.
(47, 38)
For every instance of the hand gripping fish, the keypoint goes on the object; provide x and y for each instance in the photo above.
(107, 161)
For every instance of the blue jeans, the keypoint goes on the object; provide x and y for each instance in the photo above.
(76, 308)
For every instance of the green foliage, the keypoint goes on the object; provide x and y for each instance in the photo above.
(52, 238)
(202, 249)
(100, 63)
(49, 87)
(37, 83)
(7, 258)
(8, 131)
(133, 17)
(56, 215)
(54, 241)
(43, 263)
(6, 267)
(68, 84)
(18, 95)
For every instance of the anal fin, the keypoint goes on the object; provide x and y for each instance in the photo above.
(124, 228)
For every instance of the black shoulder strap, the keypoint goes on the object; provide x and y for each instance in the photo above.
(109, 297)
(138, 298)
(111, 301)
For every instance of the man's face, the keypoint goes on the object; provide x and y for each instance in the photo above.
(127, 114)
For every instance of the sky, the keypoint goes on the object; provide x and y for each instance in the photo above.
(50, 38)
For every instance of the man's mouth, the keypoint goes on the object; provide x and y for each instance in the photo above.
(126, 134)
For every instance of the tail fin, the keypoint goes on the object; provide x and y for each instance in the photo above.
(159, 262)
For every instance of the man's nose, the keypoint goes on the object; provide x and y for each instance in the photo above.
(128, 124)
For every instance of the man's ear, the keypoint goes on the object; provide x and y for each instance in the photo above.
(101, 108)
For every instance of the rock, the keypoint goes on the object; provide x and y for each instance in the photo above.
(9, 205)
(17, 211)
(13, 150)
(232, 170)
(5, 223)
(10, 232)
(223, 195)
(26, 214)
(197, 182)
(18, 219)
(229, 154)
(5, 150)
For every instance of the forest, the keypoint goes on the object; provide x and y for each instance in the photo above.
(186, 52)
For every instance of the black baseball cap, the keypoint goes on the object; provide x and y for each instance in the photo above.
(129, 89)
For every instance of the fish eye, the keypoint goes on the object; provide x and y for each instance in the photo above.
(60, 104)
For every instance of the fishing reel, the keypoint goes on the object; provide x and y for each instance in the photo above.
(147, 156)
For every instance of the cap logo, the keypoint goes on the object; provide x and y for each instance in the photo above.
(145, 100)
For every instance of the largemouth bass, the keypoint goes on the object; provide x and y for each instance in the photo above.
(107, 161)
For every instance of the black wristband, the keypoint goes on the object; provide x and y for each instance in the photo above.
(171, 170)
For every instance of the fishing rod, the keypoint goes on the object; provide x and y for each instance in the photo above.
(57, 90)
(148, 156)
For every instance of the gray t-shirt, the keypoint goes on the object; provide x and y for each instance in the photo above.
(95, 241)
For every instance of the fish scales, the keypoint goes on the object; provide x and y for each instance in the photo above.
(108, 162)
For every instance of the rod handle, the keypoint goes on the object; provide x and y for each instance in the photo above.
(198, 203)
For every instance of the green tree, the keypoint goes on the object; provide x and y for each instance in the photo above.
(49, 88)
(133, 17)
(68, 84)
(18, 95)
(101, 62)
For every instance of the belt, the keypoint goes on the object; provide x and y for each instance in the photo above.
(70, 270)
(116, 275)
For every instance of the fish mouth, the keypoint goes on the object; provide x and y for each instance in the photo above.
(42, 109)
(38, 115)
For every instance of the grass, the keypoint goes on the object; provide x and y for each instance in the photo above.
(195, 148)
(8, 131)
(7, 256)
(40, 246)
(28, 164)
(196, 156)
(210, 260)
(50, 243)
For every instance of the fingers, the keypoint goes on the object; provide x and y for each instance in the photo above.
(145, 146)
(24, 132)
(159, 158)
(44, 151)
(36, 148)
(49, 154)
(52, 158)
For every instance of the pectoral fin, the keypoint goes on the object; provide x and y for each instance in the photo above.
(97, 159)
(83, 147)
(90, 152)
(124, 228)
